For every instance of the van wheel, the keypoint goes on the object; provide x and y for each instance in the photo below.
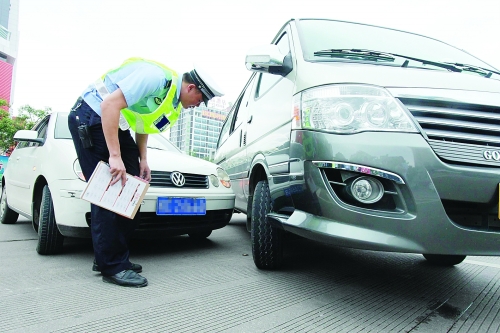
(7, 215)
(50, 240)
(267, 241)
(443, 259)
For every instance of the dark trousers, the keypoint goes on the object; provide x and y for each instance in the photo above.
(110, 231)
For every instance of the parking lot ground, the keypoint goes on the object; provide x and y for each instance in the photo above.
(213, 286)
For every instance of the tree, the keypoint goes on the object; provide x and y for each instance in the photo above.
(27, 118)
(31, 115)
(4, 105)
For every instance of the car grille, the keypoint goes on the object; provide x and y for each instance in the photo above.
(162, 179)
(172, 225)
(180, 224)
(458, 132)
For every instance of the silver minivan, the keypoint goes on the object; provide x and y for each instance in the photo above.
(366, 137)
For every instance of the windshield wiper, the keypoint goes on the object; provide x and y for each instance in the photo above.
(377, 55)
(359, 54)
(362, 54)
(475, 69)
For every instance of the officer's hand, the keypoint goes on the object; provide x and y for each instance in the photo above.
(145, 171)
(117, 169)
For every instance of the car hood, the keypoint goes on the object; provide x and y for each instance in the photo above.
(162, 160)
(311, 74)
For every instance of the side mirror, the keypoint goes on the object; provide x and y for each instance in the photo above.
(268, 59)
(27, 135)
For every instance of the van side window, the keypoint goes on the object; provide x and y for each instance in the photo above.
(266, 80)
(240, 113)
(238, 117)
(224, 133)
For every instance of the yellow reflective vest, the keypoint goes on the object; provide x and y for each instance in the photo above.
(162, 113)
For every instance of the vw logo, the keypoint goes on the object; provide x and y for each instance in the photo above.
(491, 155)
(177, 178)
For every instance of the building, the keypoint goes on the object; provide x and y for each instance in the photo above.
(197, 129)
(9, 41)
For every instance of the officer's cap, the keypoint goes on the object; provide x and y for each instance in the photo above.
(205, 83)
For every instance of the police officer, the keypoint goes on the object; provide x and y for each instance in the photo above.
(147, 97)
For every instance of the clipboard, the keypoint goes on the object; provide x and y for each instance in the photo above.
(123, 200)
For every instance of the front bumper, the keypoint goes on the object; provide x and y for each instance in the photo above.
(73, 213)
(425, 216)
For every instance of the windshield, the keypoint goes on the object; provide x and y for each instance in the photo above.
(158, 141)
(319, 35)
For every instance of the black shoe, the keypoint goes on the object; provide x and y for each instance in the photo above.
(135, 267)
(127, 278)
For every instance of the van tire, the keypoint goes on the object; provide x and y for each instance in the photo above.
(267, 241)
(444, 260)
(7, 215)
(50, 240)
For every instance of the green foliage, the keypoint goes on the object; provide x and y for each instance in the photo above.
(8, 127)
(31, 115)
(26, 119)
(4, 105)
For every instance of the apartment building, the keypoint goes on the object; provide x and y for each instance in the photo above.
(9, 41)
(197, 129)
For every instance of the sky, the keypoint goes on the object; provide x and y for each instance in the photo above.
(66, 44)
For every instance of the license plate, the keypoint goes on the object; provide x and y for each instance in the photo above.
(181, 206)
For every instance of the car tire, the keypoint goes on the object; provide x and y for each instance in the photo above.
(50, 240)
(443, 259)
(267, 241)
(200, 235)
(7, 215)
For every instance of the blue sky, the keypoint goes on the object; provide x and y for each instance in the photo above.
(65, 44)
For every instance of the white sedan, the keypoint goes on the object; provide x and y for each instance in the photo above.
(44, 182)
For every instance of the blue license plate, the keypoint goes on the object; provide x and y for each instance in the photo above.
(181, 206)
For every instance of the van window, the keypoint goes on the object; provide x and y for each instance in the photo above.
(266, 80)
(224, 133)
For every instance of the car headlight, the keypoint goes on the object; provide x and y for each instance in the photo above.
(221, 177)
(77, 169)
(350, 108)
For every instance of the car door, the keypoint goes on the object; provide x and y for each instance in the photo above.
(231, 154)
(270, 114)
(24, 160)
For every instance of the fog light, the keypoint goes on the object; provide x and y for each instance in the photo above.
(366, 190)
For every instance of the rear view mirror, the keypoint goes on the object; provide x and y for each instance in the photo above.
(268, 59)
(27, 135)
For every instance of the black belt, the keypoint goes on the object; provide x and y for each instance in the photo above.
(77, 104)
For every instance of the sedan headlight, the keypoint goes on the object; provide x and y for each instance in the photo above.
(350, 108)
(221, 177)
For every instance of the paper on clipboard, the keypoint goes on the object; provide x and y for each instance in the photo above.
(123, 200)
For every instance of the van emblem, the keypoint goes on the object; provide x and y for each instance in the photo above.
(491, 155)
